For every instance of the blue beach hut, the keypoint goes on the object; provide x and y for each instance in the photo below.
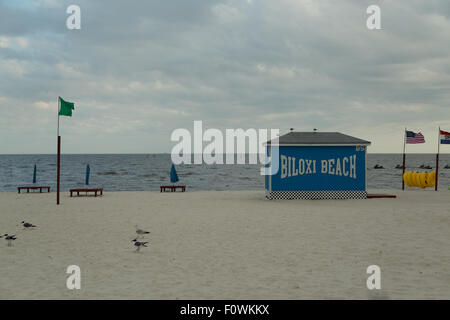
(317, 165)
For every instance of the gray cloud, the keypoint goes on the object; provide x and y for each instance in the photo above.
(139, 69)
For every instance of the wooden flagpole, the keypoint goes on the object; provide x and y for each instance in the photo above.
(437, 160)
(404, 159)
(58, 175)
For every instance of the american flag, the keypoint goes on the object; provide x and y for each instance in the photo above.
(413, 138)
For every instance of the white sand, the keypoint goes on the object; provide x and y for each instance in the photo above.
(226, 245)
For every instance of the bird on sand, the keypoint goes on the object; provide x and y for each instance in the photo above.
(139, 244)
(141, 232)
(9, 238)
(28, 225)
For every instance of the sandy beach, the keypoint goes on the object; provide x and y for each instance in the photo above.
(226, 245)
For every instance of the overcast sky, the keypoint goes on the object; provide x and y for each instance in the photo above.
(137, 70)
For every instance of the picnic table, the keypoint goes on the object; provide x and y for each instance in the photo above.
(86, 191)
(172, 188)
(33, 188)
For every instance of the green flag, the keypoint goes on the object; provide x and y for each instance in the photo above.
(65, 108)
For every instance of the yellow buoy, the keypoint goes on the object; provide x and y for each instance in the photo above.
(416, 179)
(432, 178)
(420, 179)
(405, 178)
(410, 179)
(423, 179)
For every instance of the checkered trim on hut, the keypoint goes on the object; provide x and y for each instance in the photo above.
(321, 194)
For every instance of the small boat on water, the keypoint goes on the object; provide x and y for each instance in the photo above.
(447, 166)
(425, 167)
(377, 166)
(399, 166)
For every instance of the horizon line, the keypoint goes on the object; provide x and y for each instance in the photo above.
(148, 153)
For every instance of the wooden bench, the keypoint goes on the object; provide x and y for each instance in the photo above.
(33, 188)
(94, 190)
(380, 196)
(172, 188)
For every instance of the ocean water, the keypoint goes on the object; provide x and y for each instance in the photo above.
(139, 172)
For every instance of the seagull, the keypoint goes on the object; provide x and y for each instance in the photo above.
(28, 225)
(139, 244)
(9, 238)
(140, 231)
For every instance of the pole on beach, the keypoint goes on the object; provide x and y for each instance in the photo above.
(88, 172)
(34, 174)
(437, 160)
(404, 159)
(64, 109)
(59, 170)
(58, 174)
